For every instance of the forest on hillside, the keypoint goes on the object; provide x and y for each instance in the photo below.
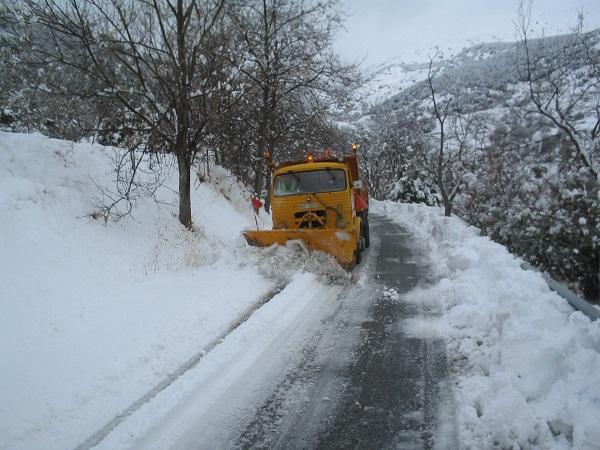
(505, 135)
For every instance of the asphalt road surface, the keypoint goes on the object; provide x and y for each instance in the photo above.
(364, 381)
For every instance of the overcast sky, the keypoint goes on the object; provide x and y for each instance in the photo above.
(381, 30)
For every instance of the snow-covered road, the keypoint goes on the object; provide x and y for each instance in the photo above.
(317, 366)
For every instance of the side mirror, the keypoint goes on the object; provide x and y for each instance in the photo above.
(357, 184)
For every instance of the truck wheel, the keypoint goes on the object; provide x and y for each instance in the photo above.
(367, 235)
(358, 252)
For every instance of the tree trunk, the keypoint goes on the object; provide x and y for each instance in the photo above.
(447, 208)
(185, 204)
(598, 279)
(182, 108)
(442, 187)
(268, 188)
(258, 179)
(263, 131)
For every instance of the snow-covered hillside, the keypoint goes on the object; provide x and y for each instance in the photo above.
(387, 80)
(486, 74)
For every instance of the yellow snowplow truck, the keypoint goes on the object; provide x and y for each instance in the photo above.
(322, 201)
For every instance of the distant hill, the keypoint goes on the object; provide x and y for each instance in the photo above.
(488, 72)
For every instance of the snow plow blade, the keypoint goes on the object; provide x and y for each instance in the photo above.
(338, 243)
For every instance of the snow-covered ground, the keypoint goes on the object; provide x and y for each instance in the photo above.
(526, 367)
(204, 408)
(93, 316)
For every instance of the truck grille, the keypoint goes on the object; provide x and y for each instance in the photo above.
(311, 219)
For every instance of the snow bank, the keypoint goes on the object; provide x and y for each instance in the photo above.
(91, 315)
(205, 408)
(526, 366)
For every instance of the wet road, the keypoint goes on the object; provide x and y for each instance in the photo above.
(364, 381)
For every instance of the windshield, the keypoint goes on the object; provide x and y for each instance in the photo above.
(314, 181)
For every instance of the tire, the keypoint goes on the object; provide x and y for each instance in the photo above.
(367, 234)
(358, 252)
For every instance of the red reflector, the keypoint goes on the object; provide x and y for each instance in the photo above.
(360, 203)
(256, 203)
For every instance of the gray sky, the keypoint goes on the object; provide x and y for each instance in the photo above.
(381, 30)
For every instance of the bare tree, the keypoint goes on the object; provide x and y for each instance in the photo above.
(562, 75)
(446, 148)
(559, 91)
(32, 93)
(292, 72)
(148, 57)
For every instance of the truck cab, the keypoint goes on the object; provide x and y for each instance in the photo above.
(316, 195)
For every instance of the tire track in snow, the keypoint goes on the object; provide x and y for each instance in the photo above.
(366, 381)
(99, 435)
(209, 407)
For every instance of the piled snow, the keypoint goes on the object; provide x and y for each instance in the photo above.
(93, 315)
(204, 408)
(526, 366)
